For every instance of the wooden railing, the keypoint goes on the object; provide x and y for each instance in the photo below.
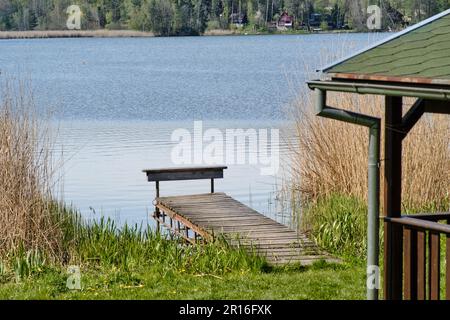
(422, 255)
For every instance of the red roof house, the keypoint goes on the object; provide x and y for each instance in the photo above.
(286, 21)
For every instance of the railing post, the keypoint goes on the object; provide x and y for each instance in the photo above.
(410, 264)
(434, 276)
(421, 265)
(422, 255)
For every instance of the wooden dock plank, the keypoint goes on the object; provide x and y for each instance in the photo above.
(217, 214)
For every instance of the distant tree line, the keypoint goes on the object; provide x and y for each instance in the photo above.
(191, 17)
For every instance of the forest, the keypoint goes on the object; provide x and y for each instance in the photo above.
(194, 17)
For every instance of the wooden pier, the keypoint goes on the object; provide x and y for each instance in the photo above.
(203, 217)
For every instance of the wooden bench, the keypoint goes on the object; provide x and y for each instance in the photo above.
(179, 174)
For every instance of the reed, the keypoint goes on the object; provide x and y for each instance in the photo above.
(220, 32)
(328, 169)
(102, 245)
(330, 157)
(128, 248)
(27, 216)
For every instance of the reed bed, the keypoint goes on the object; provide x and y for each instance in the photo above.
(331, 156)
(27, 216)
(132, 247)
(220, 32)
(102, 245)
(329, 169)
(73, 34)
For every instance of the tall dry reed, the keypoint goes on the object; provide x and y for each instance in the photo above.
(27, 214)
(330, 157)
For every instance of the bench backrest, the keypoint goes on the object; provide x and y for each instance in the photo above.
(192, 173)
(173, 174)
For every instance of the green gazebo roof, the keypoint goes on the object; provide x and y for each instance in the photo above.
(419, 54)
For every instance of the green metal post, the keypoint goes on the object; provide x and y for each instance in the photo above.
(374, 125)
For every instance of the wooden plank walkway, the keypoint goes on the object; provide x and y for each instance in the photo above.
(206, 216)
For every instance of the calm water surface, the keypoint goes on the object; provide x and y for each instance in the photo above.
(117, 102)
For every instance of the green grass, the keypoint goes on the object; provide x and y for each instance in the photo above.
(101, 244)
(138, 263)
(317, 282)
(338, 224)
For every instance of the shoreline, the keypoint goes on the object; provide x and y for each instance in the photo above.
(47, 34)
(103, 33)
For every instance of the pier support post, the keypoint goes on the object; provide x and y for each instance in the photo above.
(158, 227)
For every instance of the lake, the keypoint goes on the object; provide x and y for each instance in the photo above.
(117, 103)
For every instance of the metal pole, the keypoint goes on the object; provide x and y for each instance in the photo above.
(374, 124)
(373, 220)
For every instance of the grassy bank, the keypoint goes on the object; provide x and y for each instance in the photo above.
(319, 282)
(137, 263)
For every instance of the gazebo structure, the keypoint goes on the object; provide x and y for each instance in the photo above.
(413, 63)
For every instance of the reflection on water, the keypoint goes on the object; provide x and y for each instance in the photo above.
(104, 162)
